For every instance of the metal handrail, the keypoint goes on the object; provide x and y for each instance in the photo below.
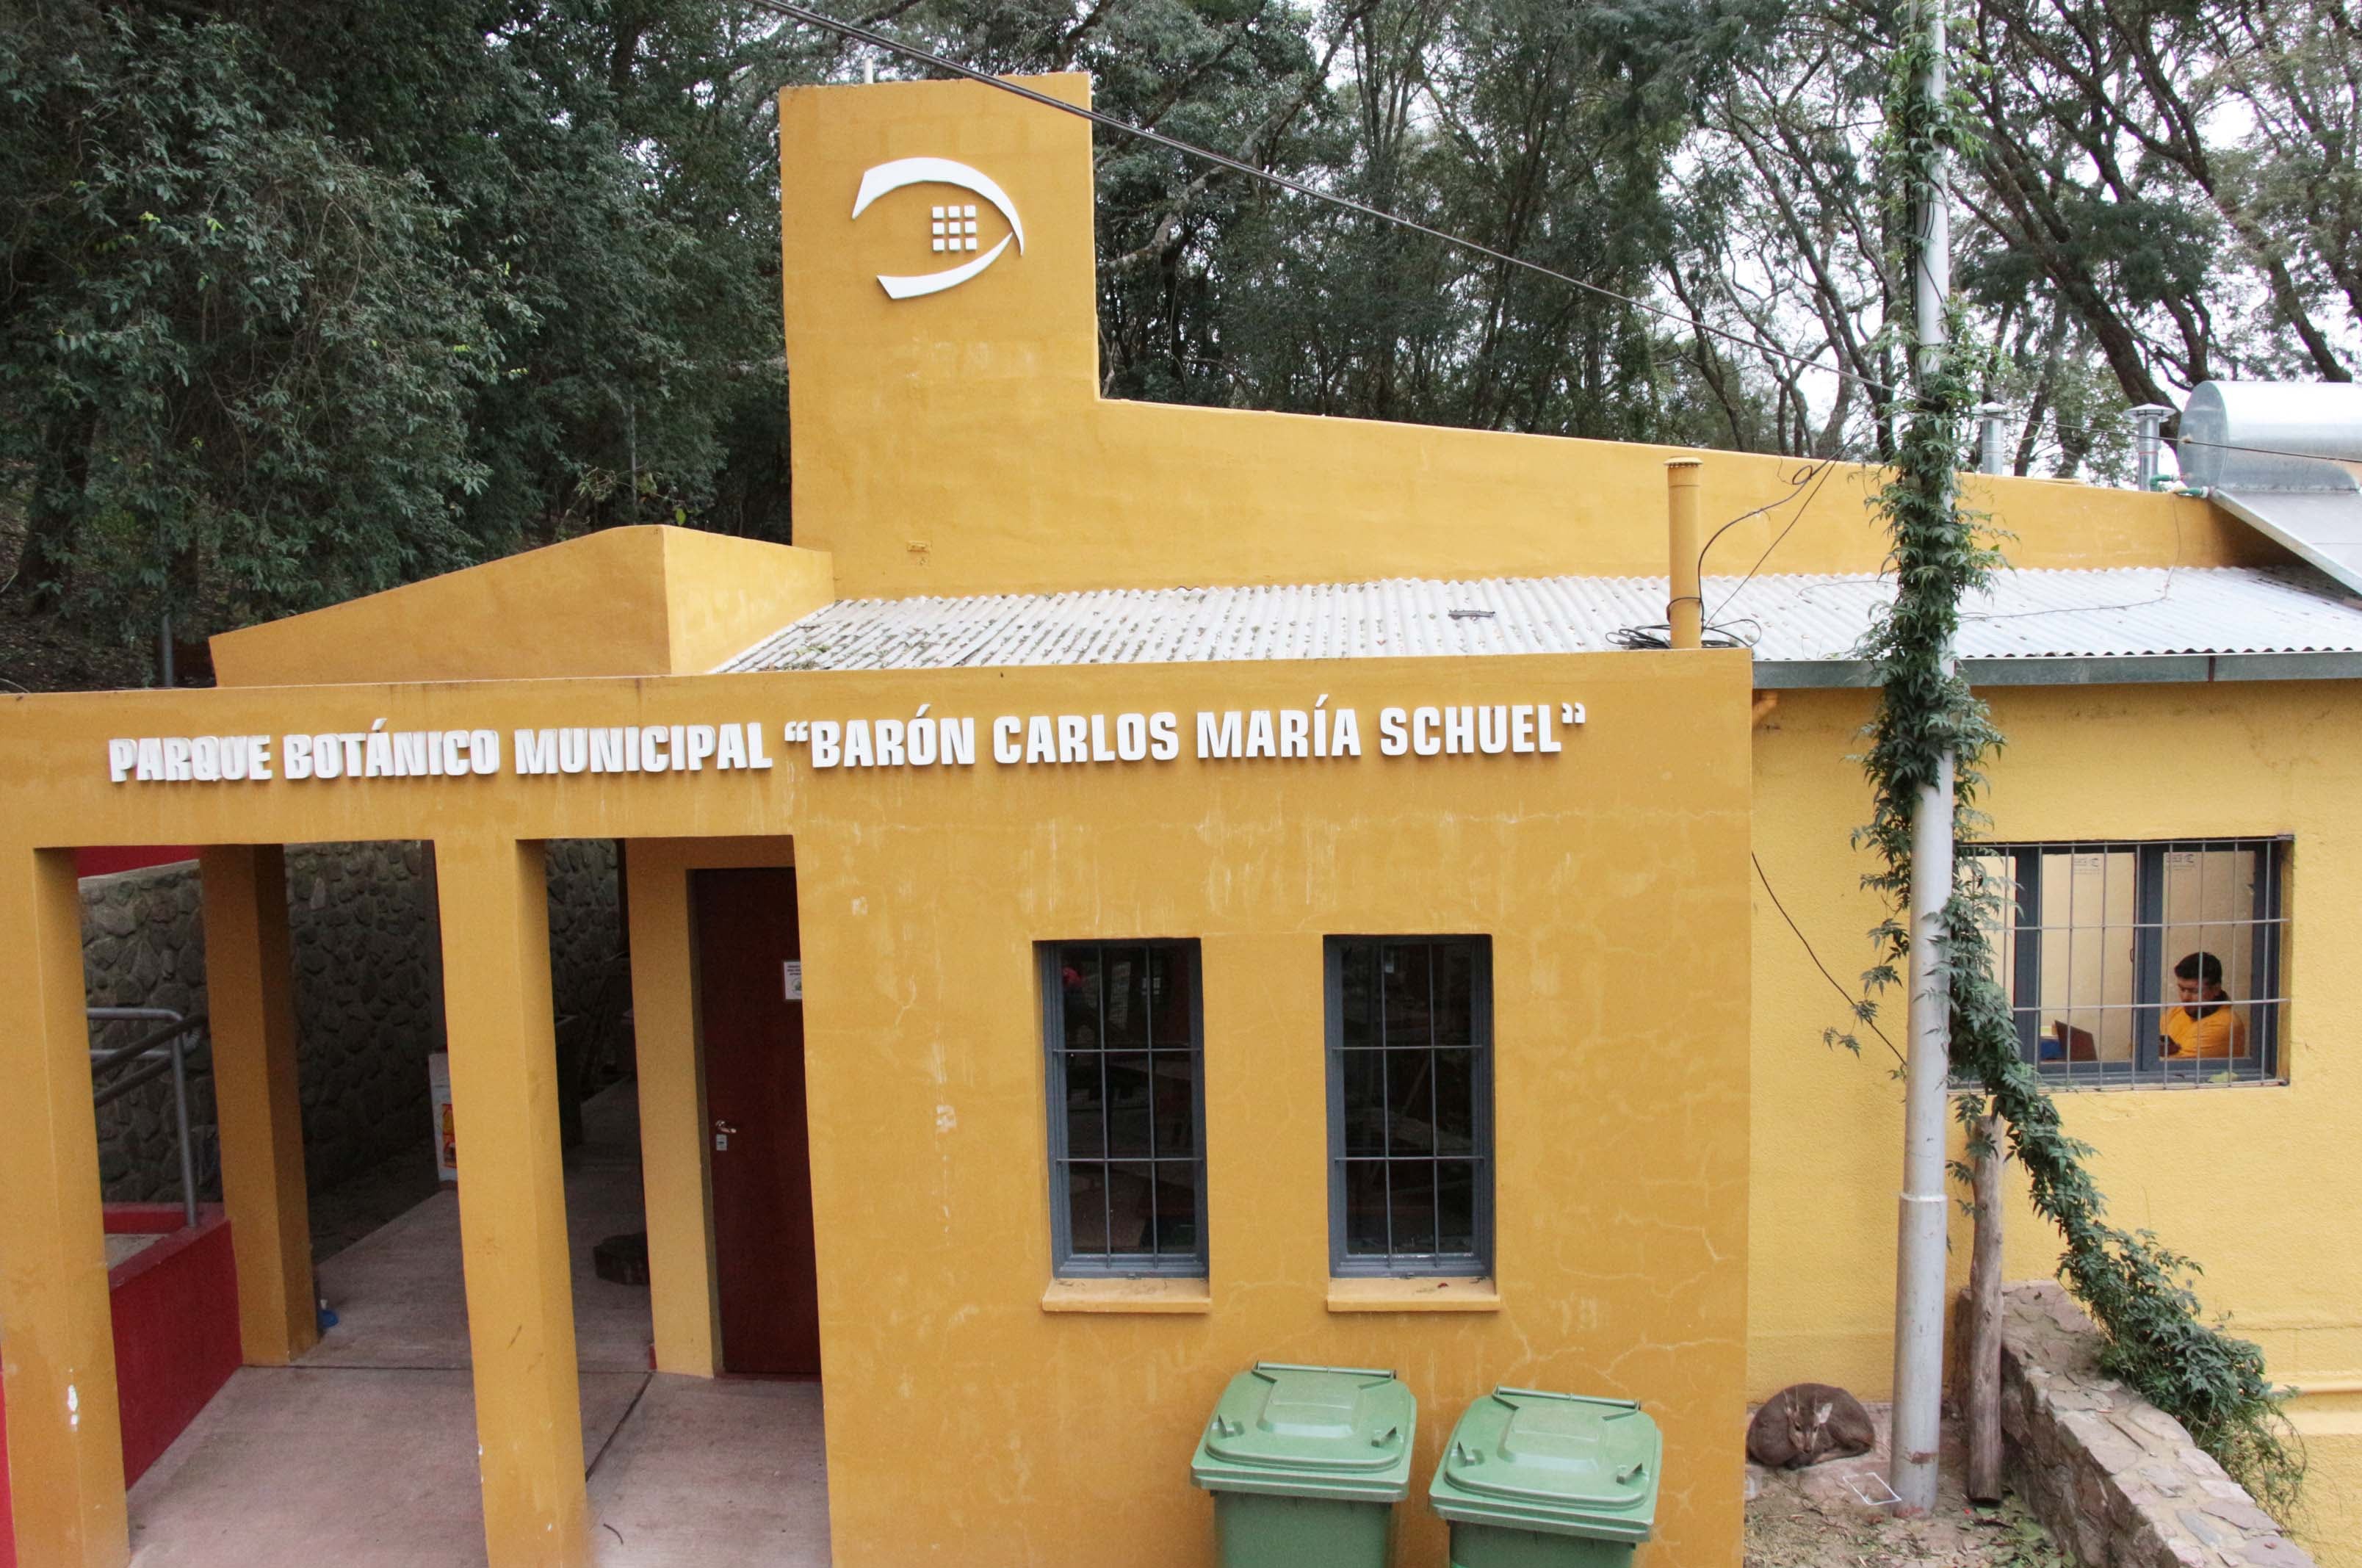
(168, 1049)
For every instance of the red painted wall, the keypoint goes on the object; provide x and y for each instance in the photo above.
(175, 1311)
(8, 1516)
(175, 1327)
(107, 858)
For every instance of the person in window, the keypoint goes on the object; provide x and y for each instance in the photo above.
(2205, 1024)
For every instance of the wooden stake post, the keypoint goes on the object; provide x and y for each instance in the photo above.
(1984, 1322)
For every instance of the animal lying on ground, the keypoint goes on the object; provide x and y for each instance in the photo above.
(1806, 1423)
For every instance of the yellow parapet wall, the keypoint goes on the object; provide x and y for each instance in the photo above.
(645, 601)
(956, 442)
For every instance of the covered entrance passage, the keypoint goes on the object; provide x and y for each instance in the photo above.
(482, 1391)
(362, 1452)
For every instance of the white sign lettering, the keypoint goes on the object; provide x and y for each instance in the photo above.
(1318, 732)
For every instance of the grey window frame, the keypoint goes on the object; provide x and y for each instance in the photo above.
(1065, 1262)
(1413, 1266)
(2267, 1017)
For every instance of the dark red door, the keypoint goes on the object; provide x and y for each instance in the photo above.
(754, 1036)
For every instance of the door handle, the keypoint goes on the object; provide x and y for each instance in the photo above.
(724, 1129)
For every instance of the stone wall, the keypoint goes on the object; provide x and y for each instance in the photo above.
(368, 996)
(143, 944)
(2116, 1480)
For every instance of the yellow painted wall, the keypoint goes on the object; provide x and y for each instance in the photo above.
(2257, 1183)
(958, 443)
(643, 600)
(966, 1422)
(2331, 1524)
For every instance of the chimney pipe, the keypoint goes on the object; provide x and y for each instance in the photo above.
(1685, 609)
(2148, 419)
(1991, 438)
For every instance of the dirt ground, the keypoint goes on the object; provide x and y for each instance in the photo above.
(1831, 1516)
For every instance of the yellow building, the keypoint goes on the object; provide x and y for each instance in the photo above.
(1086, 750)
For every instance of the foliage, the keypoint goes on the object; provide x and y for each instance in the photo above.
(241, 421)
(2136, 1289)
(303, 301)
(2022, 1542)
(230, 347)
(2164, 191)
(1516, 123)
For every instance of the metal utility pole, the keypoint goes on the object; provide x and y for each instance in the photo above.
(1919, 1256)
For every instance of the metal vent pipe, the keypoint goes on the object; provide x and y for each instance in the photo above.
(1685, 596)
(1992, 437)
(2148, 420)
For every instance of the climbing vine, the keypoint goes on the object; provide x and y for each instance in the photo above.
(2138, 1291)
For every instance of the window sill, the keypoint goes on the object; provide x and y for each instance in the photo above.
(1449, 1293)
(1127, 1295)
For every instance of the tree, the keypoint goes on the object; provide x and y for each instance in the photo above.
(234, 353)
(305, 301)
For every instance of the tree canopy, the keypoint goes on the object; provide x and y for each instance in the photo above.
(306, 300)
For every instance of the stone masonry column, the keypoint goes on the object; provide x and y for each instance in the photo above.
(250, 1006)
(57, 1338)
(495, 914)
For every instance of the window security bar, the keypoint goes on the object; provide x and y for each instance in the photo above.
(1124, 1038)
(2154, 962)
(1410, 1105)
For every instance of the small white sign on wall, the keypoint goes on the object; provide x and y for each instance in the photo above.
(791, 974)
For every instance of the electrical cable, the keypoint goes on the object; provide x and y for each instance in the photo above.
(1629, 636)
(1824, 968)
(794, 12)
(1803, 499)
(1660, 634)
(854, 30)
(2260, 451)
(1714, 631)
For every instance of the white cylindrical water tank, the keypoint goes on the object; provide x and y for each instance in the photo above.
(2272, 434)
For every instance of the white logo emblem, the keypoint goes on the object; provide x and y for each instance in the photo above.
(952, 226)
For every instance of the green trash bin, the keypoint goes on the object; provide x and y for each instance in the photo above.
(1535, 1480)
(1306, 1464)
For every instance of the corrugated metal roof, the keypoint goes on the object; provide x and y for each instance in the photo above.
(2128, 612)
(2321, 526)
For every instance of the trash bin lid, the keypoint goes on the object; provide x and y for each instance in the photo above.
(1560, 1462)
(1309, 1431)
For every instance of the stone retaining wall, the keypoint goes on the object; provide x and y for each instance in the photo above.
(368, 996)
(2116, 1480)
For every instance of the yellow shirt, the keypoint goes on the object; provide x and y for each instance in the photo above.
(2221, 1032)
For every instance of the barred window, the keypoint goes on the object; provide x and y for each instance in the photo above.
(2153, 962)
(1120, 1021)
(1410, 1105)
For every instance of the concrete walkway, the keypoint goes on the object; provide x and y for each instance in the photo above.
(364, 1455)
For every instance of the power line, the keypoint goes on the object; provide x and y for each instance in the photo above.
(1815, 957)
(2262, 451)
(794, 12)
(1803, 500)
(1191, 149)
